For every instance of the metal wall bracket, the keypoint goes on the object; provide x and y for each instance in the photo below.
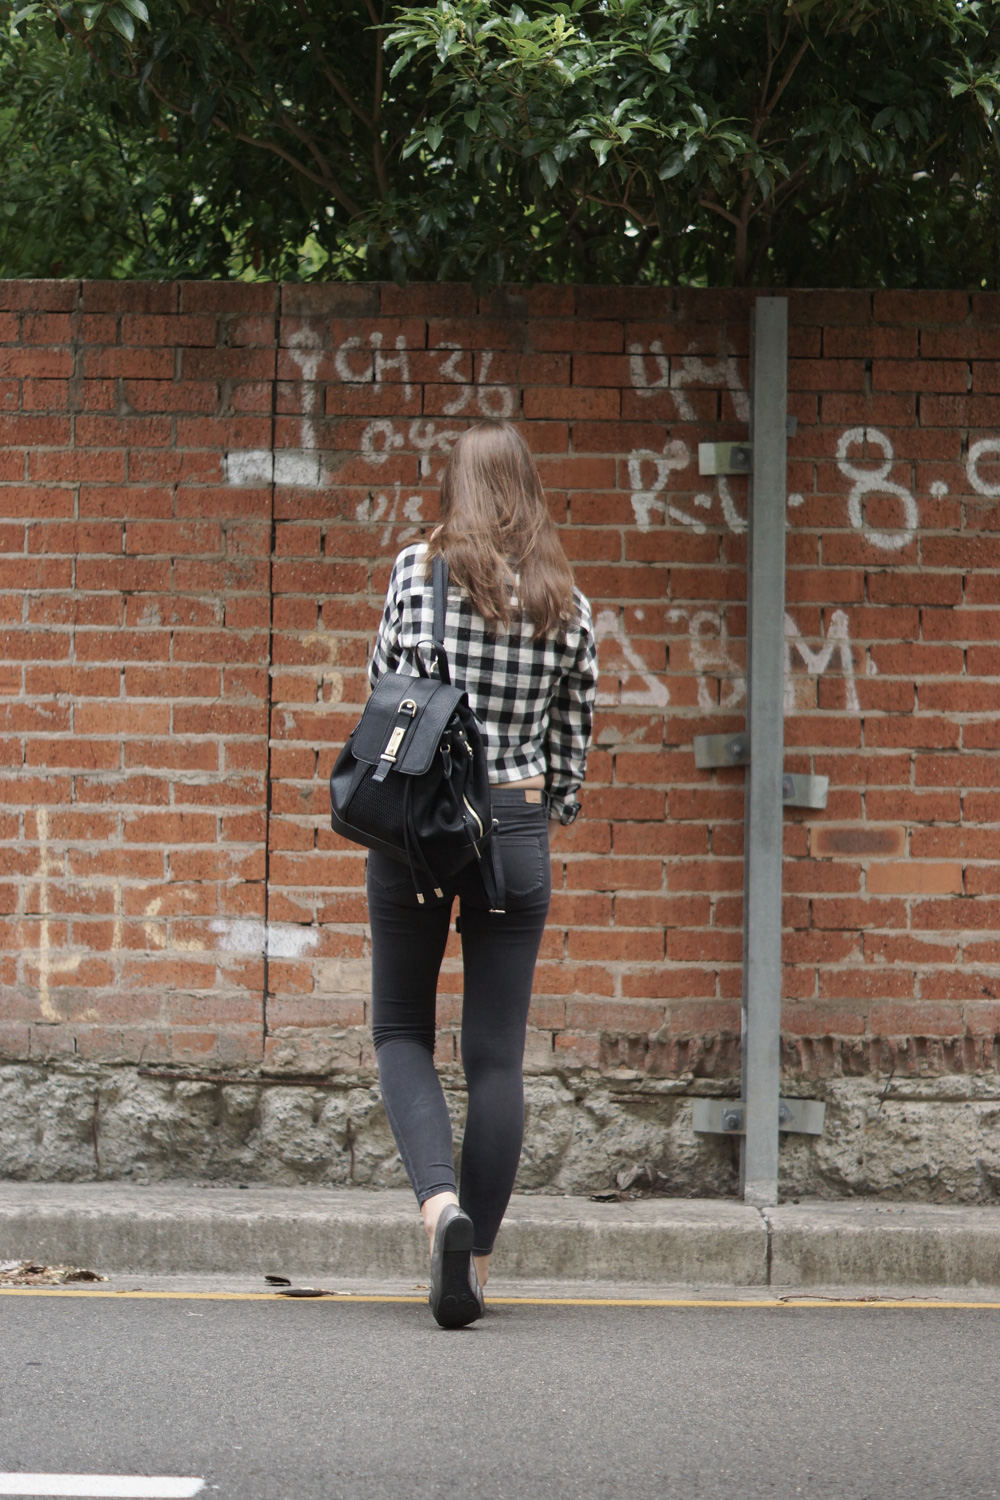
(711, 750)
(725, 458)
(728, 1116)
(803, 791)
(734, 458)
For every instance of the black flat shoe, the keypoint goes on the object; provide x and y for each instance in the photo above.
(455, 1296)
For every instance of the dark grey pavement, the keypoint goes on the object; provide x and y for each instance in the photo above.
(319, 1400)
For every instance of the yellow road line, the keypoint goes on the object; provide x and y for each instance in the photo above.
(768, 1303)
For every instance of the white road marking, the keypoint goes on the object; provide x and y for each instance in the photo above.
(104, 1486)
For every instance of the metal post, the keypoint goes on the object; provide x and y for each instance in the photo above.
(765, 726)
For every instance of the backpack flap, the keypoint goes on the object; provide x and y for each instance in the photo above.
(403, 722)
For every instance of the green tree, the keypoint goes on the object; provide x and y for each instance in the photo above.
(94, 185)
(278, 111)
(817, 141)
(837, 142)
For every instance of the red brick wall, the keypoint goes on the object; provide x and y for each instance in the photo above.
(201, 490)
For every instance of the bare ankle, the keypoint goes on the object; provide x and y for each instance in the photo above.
(430, 1210)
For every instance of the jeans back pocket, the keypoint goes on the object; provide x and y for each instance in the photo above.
(525, 863)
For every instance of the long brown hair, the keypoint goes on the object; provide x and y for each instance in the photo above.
(497, 534)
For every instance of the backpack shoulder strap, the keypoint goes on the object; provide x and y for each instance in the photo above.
(439, 573)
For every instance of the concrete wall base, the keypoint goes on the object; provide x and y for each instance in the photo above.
(932, 1140)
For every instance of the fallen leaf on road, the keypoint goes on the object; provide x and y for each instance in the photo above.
(33, 1273)
(307, 1291)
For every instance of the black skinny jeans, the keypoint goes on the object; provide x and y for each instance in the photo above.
(498, 954)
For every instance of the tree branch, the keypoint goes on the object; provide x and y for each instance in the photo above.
(378, 154)
(785, 80)
(717, 208)
(324, 182)
(335, 83)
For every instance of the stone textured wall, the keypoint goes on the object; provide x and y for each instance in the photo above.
(202, 487)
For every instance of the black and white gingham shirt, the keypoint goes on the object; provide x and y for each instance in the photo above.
(533, 697)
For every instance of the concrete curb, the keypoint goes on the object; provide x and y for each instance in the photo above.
(880, 1244)
(308, 1232)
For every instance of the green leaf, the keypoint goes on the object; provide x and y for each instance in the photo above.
(122, 22)
(549, 168)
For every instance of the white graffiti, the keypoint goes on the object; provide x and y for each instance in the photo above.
(49, 966)
(638, 354)
(724, 372)
(360, 362)
(676, 374)
(608, 627)
(425, 437)
(378, 440)
(649, 497)
(875, 481)
(301, 466)
(381, 437)
(988, 450)
(687, 369)
(713, 661)
(708, 641)
(649, 471)
(492, 400)
(378, 507)
(649, 474)
(276, 939)
(375, 363)
(836, 646)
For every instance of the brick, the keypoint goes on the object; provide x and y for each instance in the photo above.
(140, 364)
(529, 301)
(48, 365)
(920, 307)
(879, 342)
(827, 375)
(179, 331)
(920, 375)
(957, 411)
(914, 1020)
(914, 877)
(233, 297)
(829, 842)
(570, 403)
(331, 300)
(967, 342)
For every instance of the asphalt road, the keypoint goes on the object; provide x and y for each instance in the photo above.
(318, 1400)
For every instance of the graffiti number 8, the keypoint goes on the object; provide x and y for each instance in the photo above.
(875, 481)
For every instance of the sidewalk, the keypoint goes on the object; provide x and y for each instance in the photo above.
(308, 1232)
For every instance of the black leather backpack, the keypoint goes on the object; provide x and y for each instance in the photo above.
(412, 780)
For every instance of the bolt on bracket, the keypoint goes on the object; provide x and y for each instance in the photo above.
(711, 750)
(734, 458)
(728, 1116)
(804, 791)
(725, 458)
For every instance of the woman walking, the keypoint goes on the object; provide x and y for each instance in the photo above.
(520, 642)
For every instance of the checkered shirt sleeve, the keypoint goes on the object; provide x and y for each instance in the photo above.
(533, 697)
